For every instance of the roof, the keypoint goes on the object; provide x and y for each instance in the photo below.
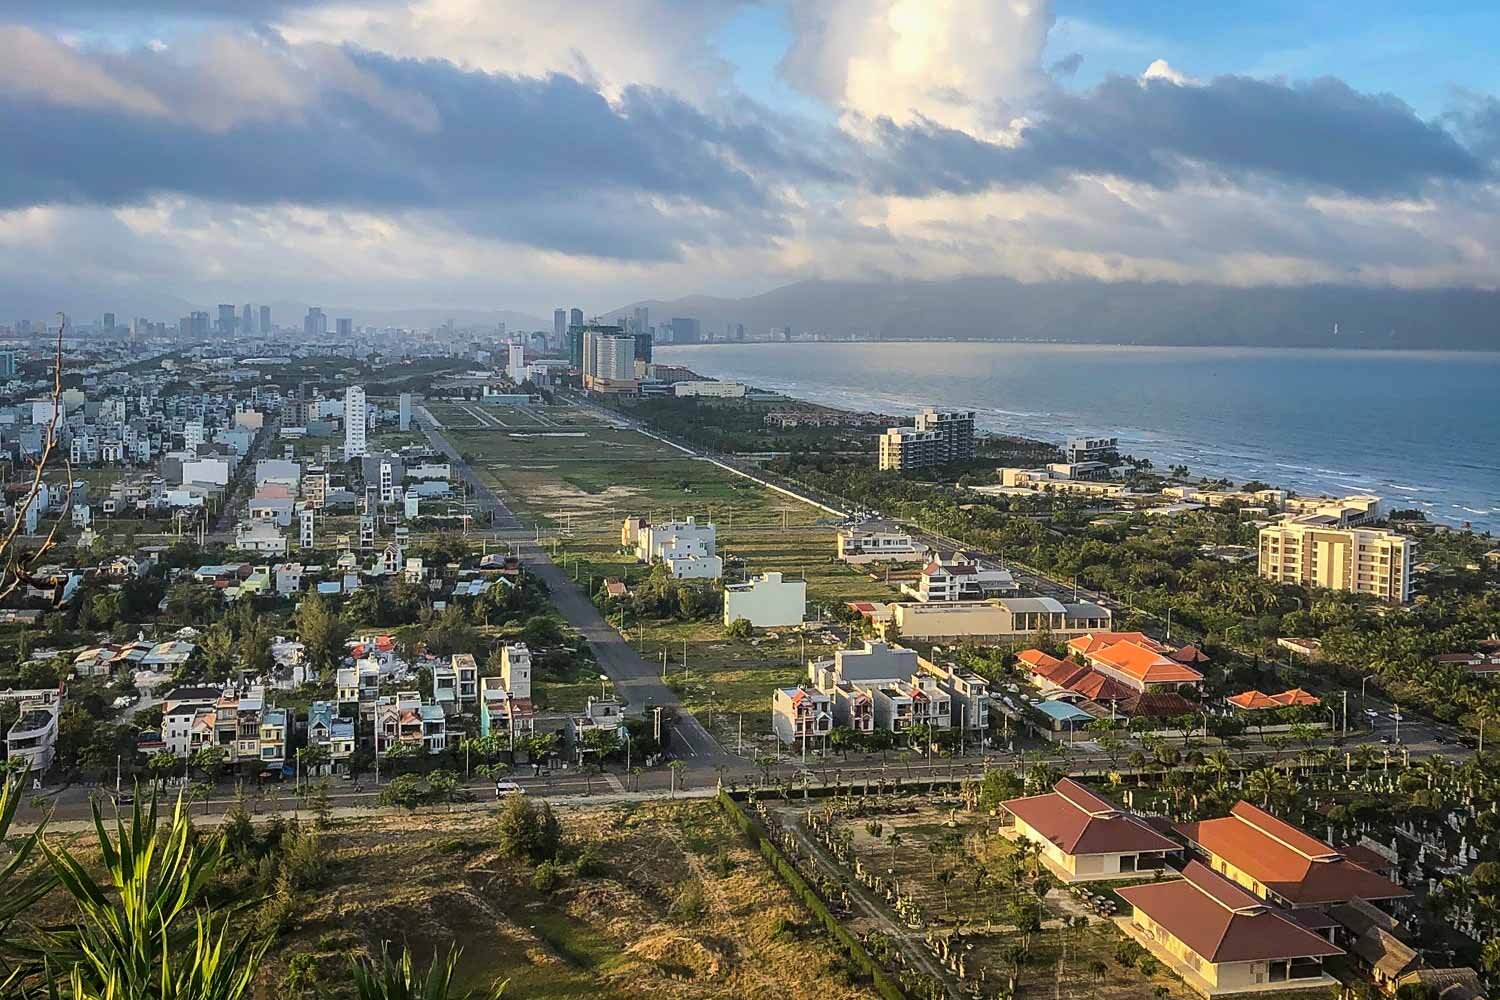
(1080, 822)
(1063, 712)
(1036, 659)
(1189, 654)
(1144, 664)
(1254, 700)
(1451, 984)
(1086, 644)
(1288, 862)
(1222, 922)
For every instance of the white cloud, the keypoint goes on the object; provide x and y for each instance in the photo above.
(37, 65)
(1160, 69)
(973, 65)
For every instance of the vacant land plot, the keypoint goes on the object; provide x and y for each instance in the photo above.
(649, 901)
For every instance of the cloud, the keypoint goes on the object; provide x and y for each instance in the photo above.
(1321, 135)
(548, 162)
(1160, 69)
(963, 64)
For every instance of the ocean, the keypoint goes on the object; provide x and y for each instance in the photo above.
(1419, 428)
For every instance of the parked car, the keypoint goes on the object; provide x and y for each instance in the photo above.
(504, 788)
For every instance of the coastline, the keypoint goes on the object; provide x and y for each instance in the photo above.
(1315, 465)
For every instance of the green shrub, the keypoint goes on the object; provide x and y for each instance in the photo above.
(546, 877)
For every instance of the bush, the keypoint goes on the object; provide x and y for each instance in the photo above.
(526, 831)
(740, 628)
(689, 906)
(546, 877)
(1148, 965)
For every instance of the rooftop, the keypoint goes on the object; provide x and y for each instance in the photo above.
(1081, 822)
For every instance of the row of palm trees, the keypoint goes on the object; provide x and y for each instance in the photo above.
(146, 929)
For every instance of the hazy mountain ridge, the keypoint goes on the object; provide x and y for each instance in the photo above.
(1112, 312)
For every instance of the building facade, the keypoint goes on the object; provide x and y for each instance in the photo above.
(1311, 553)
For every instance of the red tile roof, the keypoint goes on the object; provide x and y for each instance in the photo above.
(1189, 654)
(1287, 861)
(1081, 822)
(1254, 700)
(1086, 644)
(1144, 664)
(1036, 659)
(1222, 922)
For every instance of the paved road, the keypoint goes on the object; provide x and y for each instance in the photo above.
(485, 500)
(635, 680)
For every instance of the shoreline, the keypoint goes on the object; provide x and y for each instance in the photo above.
(1465, 352)
(1393, 496)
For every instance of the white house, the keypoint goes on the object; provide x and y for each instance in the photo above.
(260, 536)
(767, 601)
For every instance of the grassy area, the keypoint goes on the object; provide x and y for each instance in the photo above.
(615, 928)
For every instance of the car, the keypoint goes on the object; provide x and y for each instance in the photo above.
(1372, 713)
(504, 788)
(1386, 740)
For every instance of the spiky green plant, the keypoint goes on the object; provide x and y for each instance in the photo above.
(399, 978)
(144, 933)
(22, 881)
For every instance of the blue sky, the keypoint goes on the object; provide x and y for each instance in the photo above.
(468, 152)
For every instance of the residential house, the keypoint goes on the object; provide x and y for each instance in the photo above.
(800, 714)
(959, 577)
(1282, 864)
(332, 734)
(31, 741)
(407, 720)
(1084, 836)
(766, 601)
(867, 543)
(180, 708)
(995, 620)
(467, 673)
(260, 536)
(1135, 660)
(1221, 939)
(505, 701)
(904, 705)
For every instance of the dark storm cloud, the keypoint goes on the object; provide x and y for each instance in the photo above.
(549, 162)
(1321, 135)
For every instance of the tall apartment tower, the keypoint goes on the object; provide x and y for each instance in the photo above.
(247, 320)
(575, 317)
(345, 327)
(305, 527)
(355, 444)
(955, 431)
(265, 319)
(515, 669)
(559, 326)
(404, 412)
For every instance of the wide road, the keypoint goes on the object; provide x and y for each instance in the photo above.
(485, 500)
(635, 679)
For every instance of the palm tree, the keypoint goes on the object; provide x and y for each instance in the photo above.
(399, 979)
(1267, 783)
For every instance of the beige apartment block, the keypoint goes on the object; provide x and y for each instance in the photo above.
(1357, 560)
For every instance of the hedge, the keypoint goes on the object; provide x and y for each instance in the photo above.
(884, 985)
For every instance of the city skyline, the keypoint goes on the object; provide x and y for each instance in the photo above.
(503, 156)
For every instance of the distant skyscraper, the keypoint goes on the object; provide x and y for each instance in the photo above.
(685, 330)
(345, 328)
(7, 364)
(642, 319)
(575, 346)
(515, 365)
(227, 321)
(316, 324)
(575, 317)
(109, 321)
(198, 322)
(739, 331)
(404, 419)
(559, 326)
(247, 319)
(354, 423)
(265, 319)
(642, 345)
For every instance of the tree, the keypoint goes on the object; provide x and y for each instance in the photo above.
(601, 743)
(526, 831)
(740, 628)
(321, 631)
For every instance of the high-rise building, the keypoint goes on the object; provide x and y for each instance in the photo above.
(643, 343)
(685, 330)
(575, 317)
(955, 429)
(109, 321)
(355, 415)
(247, 319)
(345, 327)
(739, 331)
(1310, 552)
(265, 319)
(403, 412)
(575, 347)
(608, 359)
(515, 364)
(227, 320)
(559, 326)
(198, 323)
(7, 364)
(642, 319)
(305, 527)
(315, 324)
(940, 437)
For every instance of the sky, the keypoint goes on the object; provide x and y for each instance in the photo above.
(489, 154)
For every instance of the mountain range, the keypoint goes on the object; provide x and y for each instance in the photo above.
(1098, 312)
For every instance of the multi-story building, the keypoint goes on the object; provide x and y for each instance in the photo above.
(997, 620)
(505, 701)
(1091, 449)
(958, 576)
(903, 448)
(31, 741)
(355, 415)
(1311, 552)
(766, 601)
(609, 360)
(955, 431)
(407, 720)
(865, 544)
(330, 733)
(801, 714)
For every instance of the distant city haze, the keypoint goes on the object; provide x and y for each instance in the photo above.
(1421, 429)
